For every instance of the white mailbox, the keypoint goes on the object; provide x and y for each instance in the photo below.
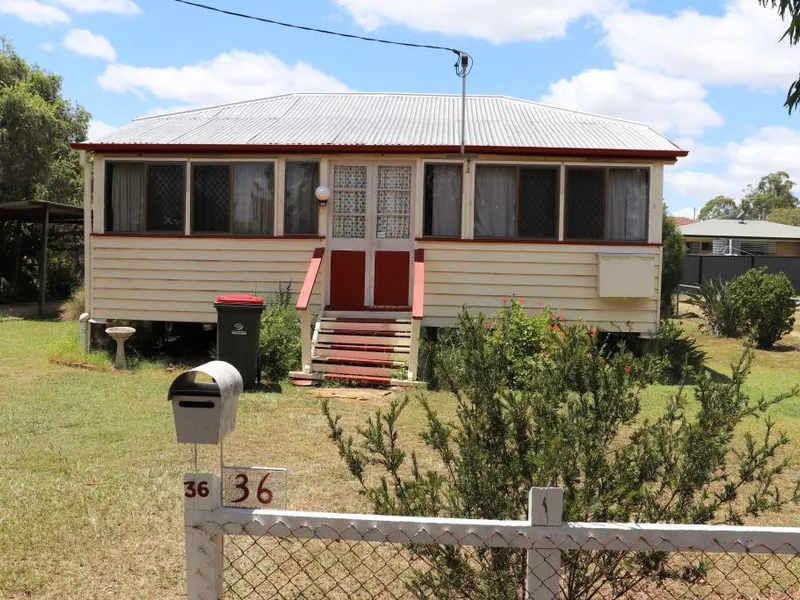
(205, 412)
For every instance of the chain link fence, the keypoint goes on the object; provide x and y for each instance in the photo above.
(256, 554)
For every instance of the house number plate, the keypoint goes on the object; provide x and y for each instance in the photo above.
(254, 487)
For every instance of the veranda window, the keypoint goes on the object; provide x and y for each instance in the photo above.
(607, 204)
(516, 202)
(442, 201)
(144, 197)
(300, 202)
(235, 199)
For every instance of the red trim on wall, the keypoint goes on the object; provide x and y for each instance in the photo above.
(183, 149)
(539, 242)
(418, 302)
(311, 278)
(226, 236)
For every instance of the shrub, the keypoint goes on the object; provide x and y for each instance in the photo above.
(280, 344)
(63, 275)
(720, 313)
(578, 427)
(74, 306)
(672, 263)
(5, 291)
(764, 301)
(682, 355)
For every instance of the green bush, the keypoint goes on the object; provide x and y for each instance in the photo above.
(578, 427)
(280, 344)
(683, 356)
(764, 301)
(672, 262)
(63, 275)
(720, 313)
(5, 291)
(74, 306)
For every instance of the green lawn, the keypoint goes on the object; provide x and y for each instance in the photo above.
(91, 495)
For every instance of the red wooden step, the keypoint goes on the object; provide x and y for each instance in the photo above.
(358, 361)
(364, 378)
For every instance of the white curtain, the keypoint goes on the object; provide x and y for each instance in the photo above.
(253, 198)
(445, 186)
(495, 199)
(300, 204)
(127, 196)
(627, 204)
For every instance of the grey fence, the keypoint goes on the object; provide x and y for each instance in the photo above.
(699, 269)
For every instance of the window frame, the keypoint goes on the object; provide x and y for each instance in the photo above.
(560, 186)
(285, 162)
(606, 185)
(193, 164)
(424, 177)
(144, 230)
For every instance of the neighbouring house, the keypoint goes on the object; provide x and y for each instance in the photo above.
(681, 221)
(735, 237)
(557, 207)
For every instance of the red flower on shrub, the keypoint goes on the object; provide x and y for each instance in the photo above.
(563, 334)
(593, 332)
(505, 300)
(488, 324)
(521, 301)
(627, 369)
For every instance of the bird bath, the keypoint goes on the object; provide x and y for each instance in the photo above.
(120, 335)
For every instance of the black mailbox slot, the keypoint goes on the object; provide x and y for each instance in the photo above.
(195, 404)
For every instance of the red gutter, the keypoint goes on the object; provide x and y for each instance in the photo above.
(183, 149)
(304, 298)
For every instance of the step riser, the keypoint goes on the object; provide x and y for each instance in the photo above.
(366, 340)
(354, 370)
(355, 355)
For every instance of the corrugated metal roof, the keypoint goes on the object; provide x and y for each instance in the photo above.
(733, 228)
(409, 120)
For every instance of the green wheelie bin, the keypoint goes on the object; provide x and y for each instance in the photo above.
(238, 332)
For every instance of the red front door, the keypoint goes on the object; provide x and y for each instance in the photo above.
(369, 236)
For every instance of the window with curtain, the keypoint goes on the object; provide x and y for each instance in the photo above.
(607, 204)
(236, 198)
(300, 202)
(516, 202)
(442, 200)
(144, 197)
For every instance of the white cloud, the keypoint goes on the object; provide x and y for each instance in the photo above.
(689, 213)
(493, 20)
(741, 46)
(34, 12)
(86, 43)
(765, 151)
(229, 77)
(47, 47)
(119, 7)
(665, 103)
(99, 129)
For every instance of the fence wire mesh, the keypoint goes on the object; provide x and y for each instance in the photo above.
(306, 564)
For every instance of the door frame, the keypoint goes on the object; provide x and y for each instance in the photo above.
(370, 241)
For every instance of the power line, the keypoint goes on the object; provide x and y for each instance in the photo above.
(325, 31)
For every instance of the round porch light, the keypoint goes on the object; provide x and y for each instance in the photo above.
(323, 193)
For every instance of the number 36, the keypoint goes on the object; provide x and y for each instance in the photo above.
(263, 494)
(196, 489)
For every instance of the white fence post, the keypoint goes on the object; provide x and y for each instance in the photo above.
(204, 566)
(545, 507)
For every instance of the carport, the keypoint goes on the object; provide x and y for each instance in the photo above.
(45, 213)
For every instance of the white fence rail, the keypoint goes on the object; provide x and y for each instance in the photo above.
(289, 554)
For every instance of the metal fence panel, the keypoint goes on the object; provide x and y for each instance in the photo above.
(699, 269)
(789, 265)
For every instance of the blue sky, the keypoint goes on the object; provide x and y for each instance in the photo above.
(711, 75)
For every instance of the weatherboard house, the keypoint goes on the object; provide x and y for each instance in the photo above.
(368, 204)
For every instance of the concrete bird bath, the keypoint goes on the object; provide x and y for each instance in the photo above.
(120, 335)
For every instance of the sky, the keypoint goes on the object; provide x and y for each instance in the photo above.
(711, 75)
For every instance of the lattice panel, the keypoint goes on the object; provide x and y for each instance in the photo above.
(538, 197)
(350, 177)
(394, 178)
(165, 197)
(211, 198)
(394, 203)
(585, 218)
(349, 202)
(394, 227)
(349, 226)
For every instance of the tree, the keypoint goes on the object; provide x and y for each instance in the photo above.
(789, 10)
(672, 263)
(37, 124)
(786, 216)
(773, 192)
(720, 207)
(577, 424)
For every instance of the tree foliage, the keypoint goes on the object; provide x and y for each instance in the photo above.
(773, 192)
(720, 207)
(786, 216)
(577, 425)
(789, 10)
(672, 263)
(37, 124)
